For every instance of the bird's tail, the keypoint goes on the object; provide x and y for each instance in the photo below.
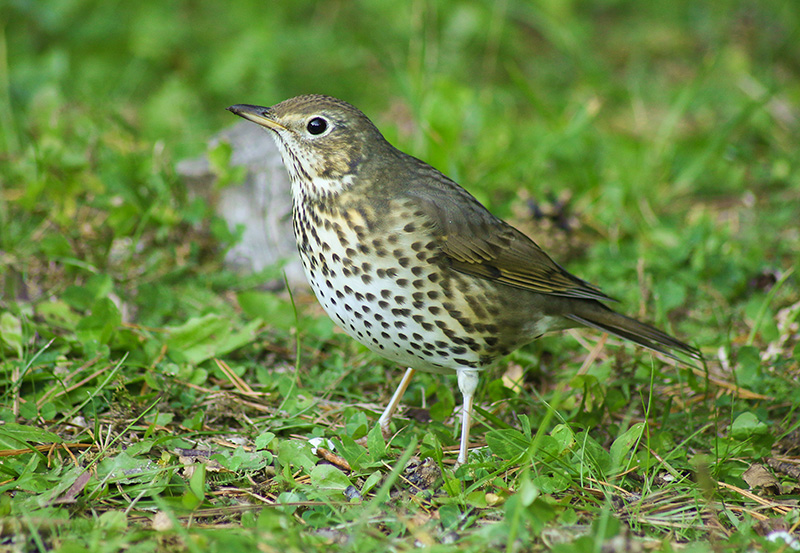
(597, 315)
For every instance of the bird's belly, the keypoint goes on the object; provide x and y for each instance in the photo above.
(387, 309)
(391, 298)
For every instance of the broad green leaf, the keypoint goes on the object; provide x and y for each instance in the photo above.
(371, 481)
(263, 440)
(507, 444)
(375, 443)
(196, 493)
(84, 297)
(211, 335)
(329, 477)
(268, 307)
(746, 426)
(101, 324)
(59, 314)
(623, 445)
(295, 453)
(443, 408)
(17, 436)
(11, 332)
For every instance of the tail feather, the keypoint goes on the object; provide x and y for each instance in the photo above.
(604, 319)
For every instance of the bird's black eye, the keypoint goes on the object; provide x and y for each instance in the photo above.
(318, 125)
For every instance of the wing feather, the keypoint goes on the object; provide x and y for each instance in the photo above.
(479, 244)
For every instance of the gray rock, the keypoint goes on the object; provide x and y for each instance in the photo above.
(262, 204)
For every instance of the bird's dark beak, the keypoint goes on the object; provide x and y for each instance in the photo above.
(257, 114)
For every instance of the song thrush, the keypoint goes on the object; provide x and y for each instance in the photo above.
(414, 267)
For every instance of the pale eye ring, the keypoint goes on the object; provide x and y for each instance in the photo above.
(317, 126)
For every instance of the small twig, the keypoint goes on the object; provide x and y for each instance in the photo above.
(333, 459)
(237, 382)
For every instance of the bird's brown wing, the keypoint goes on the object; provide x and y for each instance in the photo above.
(478, 243)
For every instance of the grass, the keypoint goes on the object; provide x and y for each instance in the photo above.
(154, 400)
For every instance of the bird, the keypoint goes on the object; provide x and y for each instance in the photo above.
(413, 266)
